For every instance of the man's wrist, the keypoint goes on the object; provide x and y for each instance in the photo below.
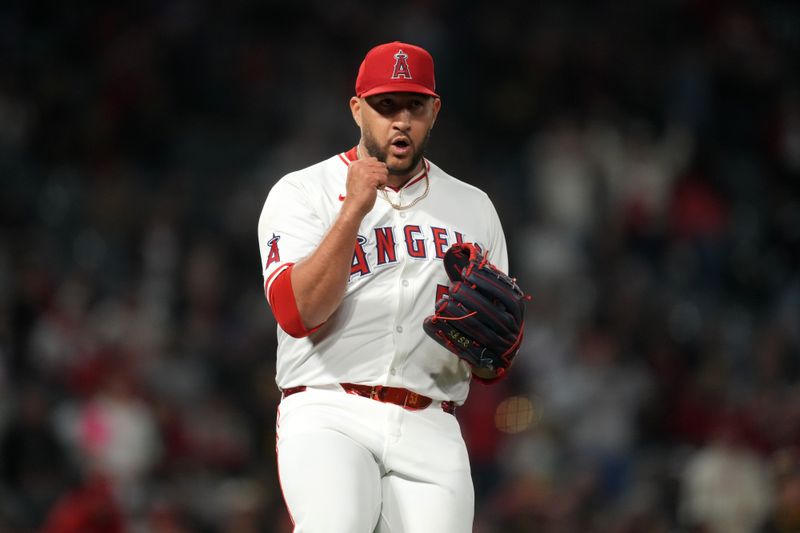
(350, 214)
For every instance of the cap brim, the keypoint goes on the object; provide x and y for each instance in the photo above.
(399, 88)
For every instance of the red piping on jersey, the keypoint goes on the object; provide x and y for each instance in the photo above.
(350, 155)
(344, 160)
(284, 305)
(413, 180)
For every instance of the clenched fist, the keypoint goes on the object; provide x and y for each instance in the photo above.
(364, 178)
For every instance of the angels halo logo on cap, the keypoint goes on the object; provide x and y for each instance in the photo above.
(396, 67)
(401, 69)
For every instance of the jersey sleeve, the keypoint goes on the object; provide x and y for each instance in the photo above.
(288, 230)
(497, 252)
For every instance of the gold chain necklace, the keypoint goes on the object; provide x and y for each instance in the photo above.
(401, 207)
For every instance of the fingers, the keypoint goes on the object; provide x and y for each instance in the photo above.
(368, 173)
(373, 171)
(364, 178)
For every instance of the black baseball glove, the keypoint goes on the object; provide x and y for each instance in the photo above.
(481, 319)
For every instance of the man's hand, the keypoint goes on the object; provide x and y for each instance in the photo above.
(319, 280)
(364, 178)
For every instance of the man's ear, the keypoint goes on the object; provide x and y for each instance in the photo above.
(437, 105)
(355, 109)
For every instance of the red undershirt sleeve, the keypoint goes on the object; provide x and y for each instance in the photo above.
(284, 306)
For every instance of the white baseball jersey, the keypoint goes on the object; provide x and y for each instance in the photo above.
(375, 337)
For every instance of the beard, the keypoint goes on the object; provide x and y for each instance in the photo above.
(374, 150)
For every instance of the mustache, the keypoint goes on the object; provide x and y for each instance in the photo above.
(380, 153)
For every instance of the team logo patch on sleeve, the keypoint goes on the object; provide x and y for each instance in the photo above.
(401, 69)
(274, 254)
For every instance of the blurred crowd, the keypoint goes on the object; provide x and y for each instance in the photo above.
(644, 158)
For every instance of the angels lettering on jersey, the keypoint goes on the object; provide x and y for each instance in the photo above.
(379, 249)
(420, 243)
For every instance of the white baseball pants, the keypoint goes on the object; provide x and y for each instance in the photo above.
(349, 464)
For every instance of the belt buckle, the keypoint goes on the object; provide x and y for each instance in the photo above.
(412, 399)
(375, 393)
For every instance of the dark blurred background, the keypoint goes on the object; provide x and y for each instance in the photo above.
(645, 161)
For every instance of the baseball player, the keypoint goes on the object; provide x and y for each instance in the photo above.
(353, 253)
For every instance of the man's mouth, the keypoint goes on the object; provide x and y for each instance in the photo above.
(400, 146)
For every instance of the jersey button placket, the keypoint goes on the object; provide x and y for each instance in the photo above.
(395, 370)
(405, 296)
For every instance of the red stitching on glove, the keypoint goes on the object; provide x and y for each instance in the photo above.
(445, 318)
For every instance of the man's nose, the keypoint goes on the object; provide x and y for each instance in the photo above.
(402, 120)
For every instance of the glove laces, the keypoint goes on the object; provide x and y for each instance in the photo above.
(438, 317)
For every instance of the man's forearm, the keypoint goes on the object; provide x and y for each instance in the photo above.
(319, 280)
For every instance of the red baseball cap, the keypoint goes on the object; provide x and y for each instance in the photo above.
(396, 67)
